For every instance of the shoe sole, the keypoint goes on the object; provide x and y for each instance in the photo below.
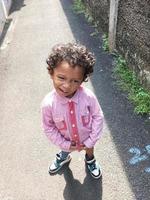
(95, 177)
(62, 164)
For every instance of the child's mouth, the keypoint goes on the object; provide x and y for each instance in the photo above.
(63, 92)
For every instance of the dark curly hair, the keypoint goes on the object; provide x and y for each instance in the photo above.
(73, 53)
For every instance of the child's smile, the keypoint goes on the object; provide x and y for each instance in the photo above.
(67, 79)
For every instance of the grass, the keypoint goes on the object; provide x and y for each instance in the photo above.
(127, 81)
(78, 6)
(105, 42)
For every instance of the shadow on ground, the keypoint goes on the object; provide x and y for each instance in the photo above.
(17, 5)
(90, 188)
(128, 130)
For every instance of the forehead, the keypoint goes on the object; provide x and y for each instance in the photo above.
(66, 69)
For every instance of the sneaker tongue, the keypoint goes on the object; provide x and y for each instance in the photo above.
(58, 157)
(93, 166)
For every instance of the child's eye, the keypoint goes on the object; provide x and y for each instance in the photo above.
(60, 78)
(76, 81)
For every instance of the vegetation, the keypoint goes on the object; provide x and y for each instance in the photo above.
(105, 42)
(78, 6)
(128, 81)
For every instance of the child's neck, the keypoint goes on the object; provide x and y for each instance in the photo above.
(70, 96)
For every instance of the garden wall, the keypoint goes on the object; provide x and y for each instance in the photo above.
(132, 34)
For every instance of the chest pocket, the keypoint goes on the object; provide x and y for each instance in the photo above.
(60, 123)
(85, 116)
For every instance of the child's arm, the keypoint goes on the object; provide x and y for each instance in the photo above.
(51, 130)
(97, 123)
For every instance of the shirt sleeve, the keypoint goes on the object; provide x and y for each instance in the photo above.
(51, 130)
(97, 123)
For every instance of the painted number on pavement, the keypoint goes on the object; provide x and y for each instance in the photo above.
(140, 155)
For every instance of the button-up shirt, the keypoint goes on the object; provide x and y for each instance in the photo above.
(78, 119)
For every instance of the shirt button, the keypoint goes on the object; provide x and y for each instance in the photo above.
(71, 111)
(75, 135)
(73, 125)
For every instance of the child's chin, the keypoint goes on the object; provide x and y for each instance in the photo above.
(62, 94)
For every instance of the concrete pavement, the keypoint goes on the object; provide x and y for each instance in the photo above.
(25, 152)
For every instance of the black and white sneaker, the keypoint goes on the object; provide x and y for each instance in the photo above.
(58, 163)
(94, 168)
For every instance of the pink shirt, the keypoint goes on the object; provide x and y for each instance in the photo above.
(78, 119)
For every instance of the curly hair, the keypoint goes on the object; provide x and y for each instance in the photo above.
(73, 53)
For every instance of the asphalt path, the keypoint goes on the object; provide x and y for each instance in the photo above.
(25, 153)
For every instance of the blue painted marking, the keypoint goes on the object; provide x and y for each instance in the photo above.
(147, 170)
(137, 157)
(147, 149)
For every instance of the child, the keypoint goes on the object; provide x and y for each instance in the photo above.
(71, 115)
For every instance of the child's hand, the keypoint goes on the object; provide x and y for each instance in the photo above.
(73, 146)
(82, 147)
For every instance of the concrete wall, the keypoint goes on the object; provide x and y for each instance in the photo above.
(133, 36)
(2, 18)
(100, 12)
(4, 10)
(7, 4)
(133, 32)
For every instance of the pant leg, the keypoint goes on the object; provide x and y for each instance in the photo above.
(89, 153)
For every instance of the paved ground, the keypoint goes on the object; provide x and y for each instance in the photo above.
(124, 150)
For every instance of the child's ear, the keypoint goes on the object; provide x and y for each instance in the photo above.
(50, 71)
(51, 75)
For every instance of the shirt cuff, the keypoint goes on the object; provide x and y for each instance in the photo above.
(66, 147)
(89, 143)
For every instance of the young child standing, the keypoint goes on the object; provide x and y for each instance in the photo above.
(71, 115)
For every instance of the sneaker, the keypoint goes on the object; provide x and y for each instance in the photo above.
(58, 163)
(93, 168)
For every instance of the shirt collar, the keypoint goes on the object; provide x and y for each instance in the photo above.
(65, 100)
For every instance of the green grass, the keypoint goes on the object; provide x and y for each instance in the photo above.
(78, 6)
(105, 42)
(127, 81)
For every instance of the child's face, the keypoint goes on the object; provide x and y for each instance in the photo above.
(67, 79)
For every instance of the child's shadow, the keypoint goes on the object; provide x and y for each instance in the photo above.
(89, 190)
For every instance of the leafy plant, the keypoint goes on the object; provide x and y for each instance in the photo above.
(105, 42)
(78, 6)
(95, 33)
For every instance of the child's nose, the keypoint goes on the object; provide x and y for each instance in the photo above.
(66, 85)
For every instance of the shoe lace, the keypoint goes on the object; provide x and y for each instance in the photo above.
(93, 166)
(58, 160)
